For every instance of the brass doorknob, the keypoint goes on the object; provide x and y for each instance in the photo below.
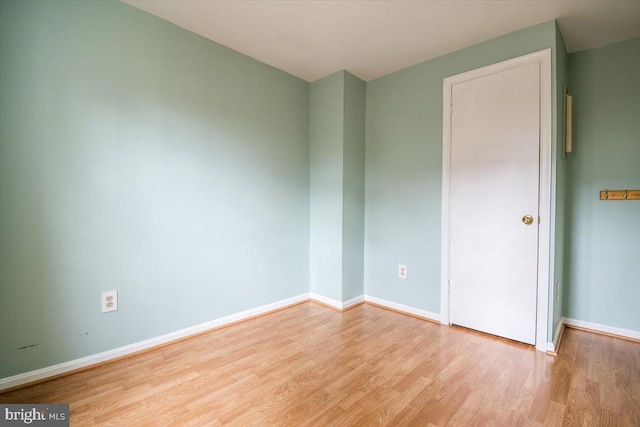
(527, 219)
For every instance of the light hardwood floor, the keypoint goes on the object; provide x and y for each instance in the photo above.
(312, 366)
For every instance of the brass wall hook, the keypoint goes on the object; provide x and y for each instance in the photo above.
(619, 194)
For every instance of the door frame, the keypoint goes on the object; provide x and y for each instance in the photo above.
(545, 214)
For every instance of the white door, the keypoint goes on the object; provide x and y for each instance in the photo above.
(494, 186)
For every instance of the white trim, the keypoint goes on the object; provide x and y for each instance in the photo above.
(626, 333)
(445, 228)
(553, 345)
(546, 213)
(403, 308)
(72, 365)
(556, 335)
(335, 303)
(353, 301)
(326, 300)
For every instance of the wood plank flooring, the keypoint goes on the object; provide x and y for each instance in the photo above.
(312, 366)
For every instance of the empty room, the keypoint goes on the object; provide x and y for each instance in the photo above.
(319, 213)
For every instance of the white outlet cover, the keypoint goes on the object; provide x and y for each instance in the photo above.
(402, 271)
(109, 301)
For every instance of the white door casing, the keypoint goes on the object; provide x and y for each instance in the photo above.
(482, 258)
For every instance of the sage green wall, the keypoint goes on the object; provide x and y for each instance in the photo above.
(353, 173)
(560, 184)
(336, 139)
(404, 166)
(603, 257)
(140, 157)
(326, 121)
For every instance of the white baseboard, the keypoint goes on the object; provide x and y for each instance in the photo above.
(552, 347)
(352, 302)
(341, 306)
(403, 308)
(73, 365)
(609, 330)
(326, 300)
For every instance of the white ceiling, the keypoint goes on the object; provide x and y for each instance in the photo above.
(311, 39)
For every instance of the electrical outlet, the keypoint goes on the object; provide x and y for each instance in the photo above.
(557, 291)
(402, 271)
(109, 301)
